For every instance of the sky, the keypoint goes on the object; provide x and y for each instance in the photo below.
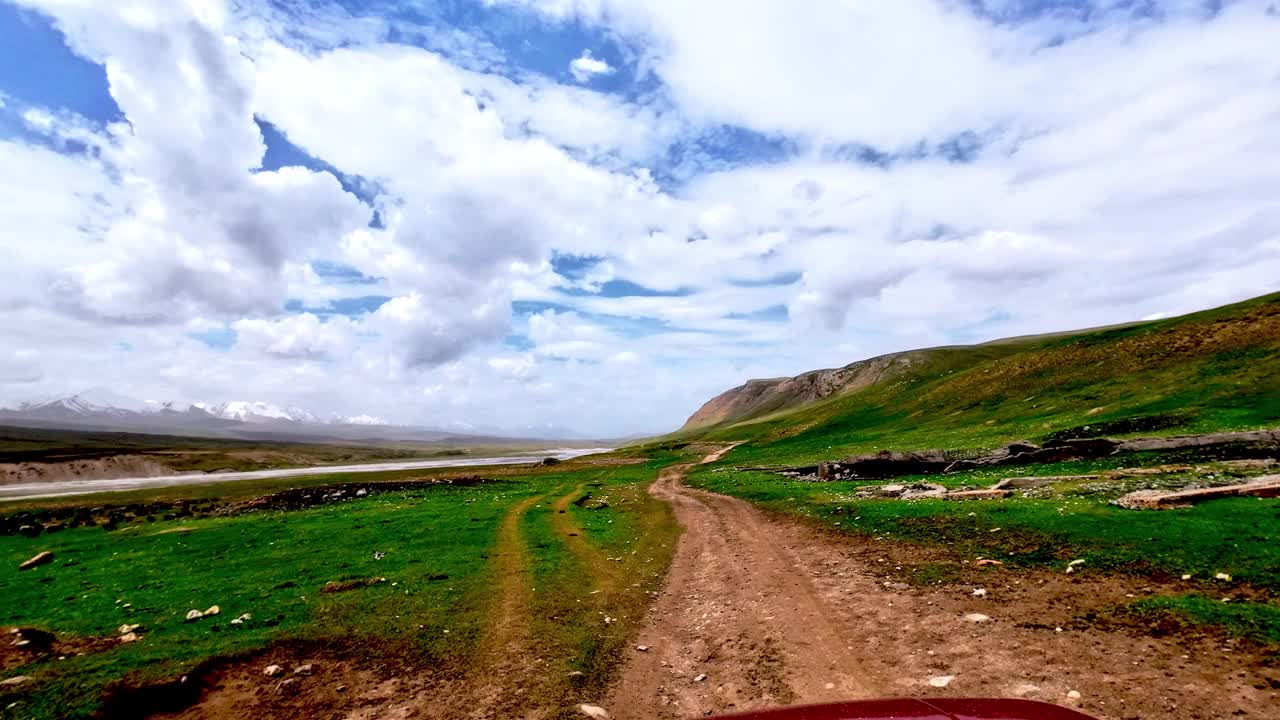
(597, 214)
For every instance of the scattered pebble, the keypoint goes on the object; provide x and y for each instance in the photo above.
(1074, 695)
(642, 648)
(941, 681)
(700, 678)
(977, 618)
(273, 671)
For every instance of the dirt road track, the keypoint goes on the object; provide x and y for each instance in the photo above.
(737, 609)
(760, 611)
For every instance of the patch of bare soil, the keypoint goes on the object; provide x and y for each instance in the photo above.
(107, 468)
(19, 647)
(760, 611)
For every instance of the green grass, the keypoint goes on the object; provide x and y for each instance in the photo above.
(273, 566)
(1258, 622)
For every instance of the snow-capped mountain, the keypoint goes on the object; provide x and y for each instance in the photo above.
(103, 406)
(104, 410)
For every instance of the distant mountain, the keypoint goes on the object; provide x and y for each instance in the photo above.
(100, 409)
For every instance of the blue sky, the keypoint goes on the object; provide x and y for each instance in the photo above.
(502, 212)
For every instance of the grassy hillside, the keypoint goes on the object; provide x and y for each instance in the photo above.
(1213, 370)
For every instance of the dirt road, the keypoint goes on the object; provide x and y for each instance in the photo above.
(761, 611)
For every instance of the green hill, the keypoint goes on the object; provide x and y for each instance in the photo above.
(1212, 370)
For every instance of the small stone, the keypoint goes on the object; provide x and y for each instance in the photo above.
(213, 610)
(576, 674)
(700, 678)
(362, 492)
(130, 637)
(273, 671)
(194, 615)
(830, 686)
(40, 559)
(977, 618)
(594, 711)
(126, 628)
(1026, 689)
(15, 680)
(1074, 563)
(289, 685)
(1074, 695)
(642, 648)
(983, 562)
(980, 592)
(237, 621)
(1186, 576)
(941, 681)
(304, 669)
(1222, 576)
(340, 688)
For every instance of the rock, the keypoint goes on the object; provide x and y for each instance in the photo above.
(549, 461)
(1074, 695)
(593, 711)
(1074, 563)
(213, 610)
(194, 615)
(40, 559)
(941, 681)
(979, 592)
(289, 686)
(273, 671)
(1030, 483)
(983, 562)
(977, 618)
(899, 586)
(340, 688)
(30, 530)
(1222, 576)
(1026, 689)
(642, 648)
(15, 680)
(126, 628)
(304, 669)
(893, 490)
(700, 678)
(1263, 487)
(1186, 576)
(987, 494)
(130, 637)
(362, 492)
(575, 675)
(923, 490)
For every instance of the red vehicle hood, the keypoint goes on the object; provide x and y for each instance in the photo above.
(932, 709)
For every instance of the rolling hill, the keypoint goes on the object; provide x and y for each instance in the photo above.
(1213, 370)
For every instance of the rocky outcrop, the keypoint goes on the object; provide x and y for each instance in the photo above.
(761, 397)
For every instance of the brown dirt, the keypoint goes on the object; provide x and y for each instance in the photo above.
(116, 466)
(773, 611)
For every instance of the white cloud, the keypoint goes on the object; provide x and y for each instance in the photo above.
(584, 67)
(1119, 173)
